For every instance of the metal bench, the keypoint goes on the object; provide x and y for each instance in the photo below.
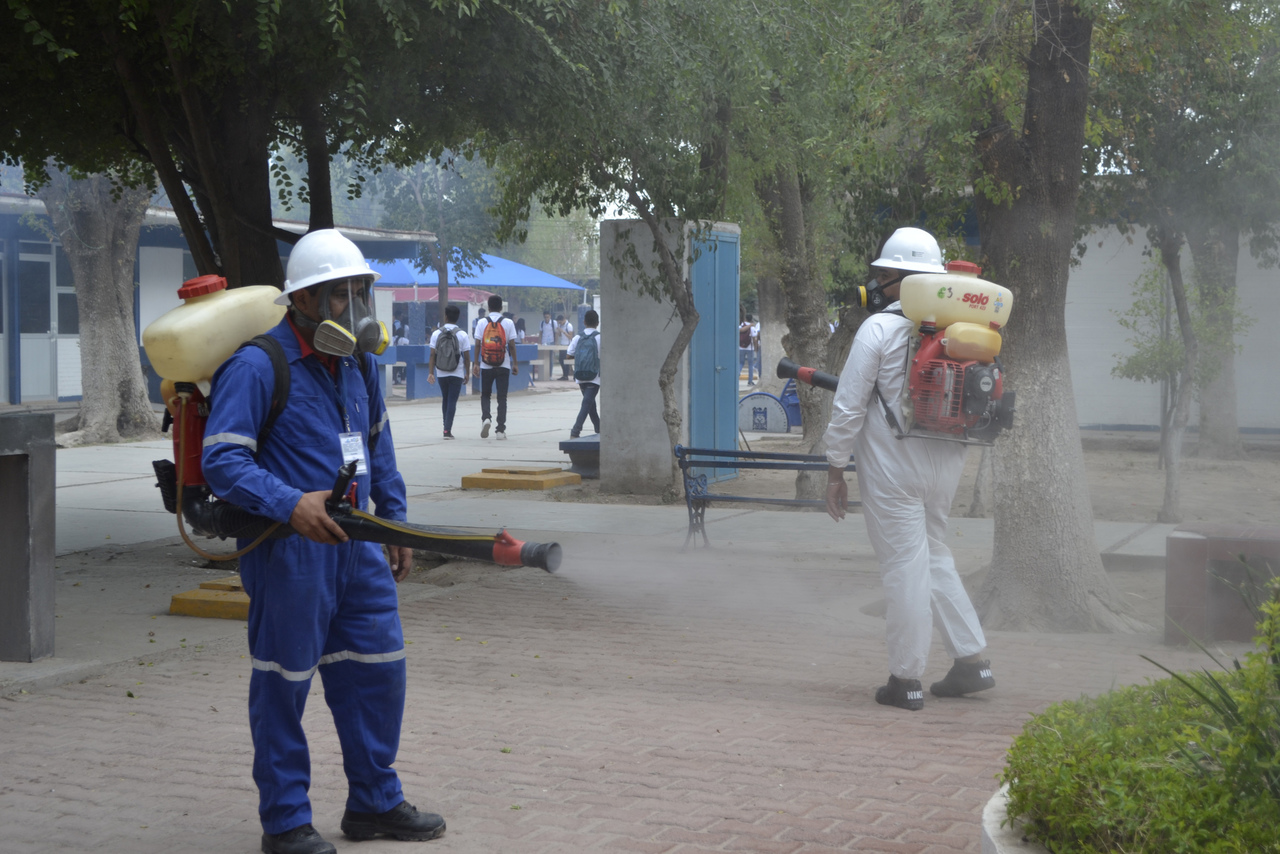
(584, 455)
(697, 495)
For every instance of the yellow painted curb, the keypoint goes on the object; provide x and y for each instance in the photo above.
(219, 604)
(505, 479)
(231, 582)
(523, 470)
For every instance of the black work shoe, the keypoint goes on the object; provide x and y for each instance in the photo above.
(401, 821)
(303, 839)
(964, 679)
(903, 693)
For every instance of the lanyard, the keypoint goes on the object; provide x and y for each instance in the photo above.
(340, 388)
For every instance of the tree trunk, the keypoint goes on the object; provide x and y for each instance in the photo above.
(982, 486)
(786, 199)
(1046, 571)
(771, 303)
(1215, 249)
(315, 141)
(440, 251)
(100, 236)
(1171, 510)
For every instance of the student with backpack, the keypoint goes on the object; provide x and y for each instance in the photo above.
(495, 363)
(450, 360)
(564, 333)
(585, 350)
(747, 350)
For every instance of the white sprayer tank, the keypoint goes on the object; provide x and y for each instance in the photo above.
(188, 343)
(941, 299)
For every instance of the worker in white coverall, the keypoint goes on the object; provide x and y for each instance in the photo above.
(906, 487)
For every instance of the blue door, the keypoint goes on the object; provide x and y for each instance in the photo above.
(713, 352)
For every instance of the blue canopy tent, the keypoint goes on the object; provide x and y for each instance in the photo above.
(498, 273)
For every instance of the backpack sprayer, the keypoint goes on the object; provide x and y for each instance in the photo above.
(955, 381)
(186, 345)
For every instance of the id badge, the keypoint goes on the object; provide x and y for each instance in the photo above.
(353, 449)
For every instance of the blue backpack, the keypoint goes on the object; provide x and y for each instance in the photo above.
(586, 359)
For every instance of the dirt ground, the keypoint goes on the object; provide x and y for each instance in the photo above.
(1125, 484)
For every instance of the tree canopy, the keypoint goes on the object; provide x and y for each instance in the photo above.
(204, 93)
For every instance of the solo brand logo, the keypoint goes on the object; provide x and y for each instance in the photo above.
(977, 300)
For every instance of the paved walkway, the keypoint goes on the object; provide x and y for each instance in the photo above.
(642, 699)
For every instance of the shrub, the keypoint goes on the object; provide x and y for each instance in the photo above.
(1186, 764)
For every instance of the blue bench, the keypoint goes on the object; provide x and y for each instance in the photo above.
(697, 496)
(584, 455)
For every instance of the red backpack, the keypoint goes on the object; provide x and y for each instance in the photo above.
(493, 343)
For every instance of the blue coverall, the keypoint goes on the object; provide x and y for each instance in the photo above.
(331, 608)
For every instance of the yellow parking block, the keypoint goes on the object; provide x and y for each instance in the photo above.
(520, 478)
(231, 582)
(220, 604)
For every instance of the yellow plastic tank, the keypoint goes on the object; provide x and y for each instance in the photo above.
(188, 343)
(964, 342)
(942, 299)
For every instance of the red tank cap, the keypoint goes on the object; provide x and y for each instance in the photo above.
(200, 286)
(963, 267)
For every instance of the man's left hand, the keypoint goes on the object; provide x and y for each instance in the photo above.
(401, 560)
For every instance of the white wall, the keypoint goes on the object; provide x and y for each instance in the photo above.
(159, 277)
(1102, 285)
(69, 367)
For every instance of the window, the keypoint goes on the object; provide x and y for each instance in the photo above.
(68, 317)
(34, 296)
(68, 313)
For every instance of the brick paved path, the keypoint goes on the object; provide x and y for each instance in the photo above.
(649, 701)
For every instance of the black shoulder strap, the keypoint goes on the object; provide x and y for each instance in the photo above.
(888, 412)
(280, 389)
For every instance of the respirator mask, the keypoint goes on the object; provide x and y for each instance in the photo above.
(872, 297)
(348, 323)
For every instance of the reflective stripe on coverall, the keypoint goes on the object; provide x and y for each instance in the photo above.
(312, 606)
(906, 487)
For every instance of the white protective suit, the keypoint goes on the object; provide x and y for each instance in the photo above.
(907, 486)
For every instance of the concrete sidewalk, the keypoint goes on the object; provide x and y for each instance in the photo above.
(642, 699)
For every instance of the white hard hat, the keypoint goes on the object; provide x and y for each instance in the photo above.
(321, 256)
(910, 249)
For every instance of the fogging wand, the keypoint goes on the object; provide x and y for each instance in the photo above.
(788, 370)
(219, 518)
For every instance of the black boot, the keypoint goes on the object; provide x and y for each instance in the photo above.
(903, 693)
(303, 839)
(964, 679)
(401, 821)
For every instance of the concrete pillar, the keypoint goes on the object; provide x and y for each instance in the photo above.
(27, 466)
(636, 333)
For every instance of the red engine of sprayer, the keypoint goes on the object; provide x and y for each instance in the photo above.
(949, 396)
(188, 429)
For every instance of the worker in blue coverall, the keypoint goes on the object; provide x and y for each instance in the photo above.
(319, 602)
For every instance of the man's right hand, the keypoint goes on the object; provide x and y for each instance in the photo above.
(837, 498)
(311, 520)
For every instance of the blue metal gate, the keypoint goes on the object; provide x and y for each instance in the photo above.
(713, 352)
